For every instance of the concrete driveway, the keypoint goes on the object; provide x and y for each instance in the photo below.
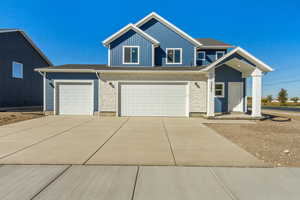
(147, 182)
(119, 141)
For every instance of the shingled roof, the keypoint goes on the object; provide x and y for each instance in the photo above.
(209, 42)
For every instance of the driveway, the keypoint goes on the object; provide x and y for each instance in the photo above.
(119, 141)
(147, 182)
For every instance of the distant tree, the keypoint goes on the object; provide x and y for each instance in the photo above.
(264, 101)
(270, 98)
(282, 96)
(295, 99)
(249, 100)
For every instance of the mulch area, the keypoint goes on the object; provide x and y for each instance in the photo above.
(12, 117)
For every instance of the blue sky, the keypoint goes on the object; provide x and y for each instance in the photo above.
(72, 31)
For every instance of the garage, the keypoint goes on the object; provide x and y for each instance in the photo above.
(74, 98)
(153, 99)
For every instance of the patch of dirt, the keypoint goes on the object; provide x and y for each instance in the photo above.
(276, 142)
(12, 117)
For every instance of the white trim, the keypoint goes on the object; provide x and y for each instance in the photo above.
(187, 83)
(99, 102)
(153, 55)
(201, 51)
(108, 56)
(128, 27)
(210, 108)
(222, 52)
(56, 81)
(195, 56)
(169, 25)
(123, 55)
(44, 91)
(167, 49)
(264, 67)
(223, 89)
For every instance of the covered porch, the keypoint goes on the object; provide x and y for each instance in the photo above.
(248, 66)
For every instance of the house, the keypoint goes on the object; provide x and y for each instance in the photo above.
(156, 69)
(20, 85)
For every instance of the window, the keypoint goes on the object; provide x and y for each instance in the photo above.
(17, 70)
(174, 56)
(219, 54)
(219, 90)
(201, 55)
(131, 55)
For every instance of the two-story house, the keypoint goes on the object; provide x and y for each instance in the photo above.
(156, 69)
(20, 85)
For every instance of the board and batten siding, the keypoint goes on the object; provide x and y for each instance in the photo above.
(50, 77)
(109, 92)
(131, 38)
(168, 39)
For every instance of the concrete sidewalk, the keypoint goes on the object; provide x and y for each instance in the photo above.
(147, 183)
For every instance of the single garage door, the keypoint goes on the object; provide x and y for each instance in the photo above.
(74, 98)
(153, 99)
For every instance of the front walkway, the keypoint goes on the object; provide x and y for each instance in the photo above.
(147, 183)
(119, 141)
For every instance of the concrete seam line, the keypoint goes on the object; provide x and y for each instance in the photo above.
(169, 141)
(114, 133)
(135, 182)
(50, 182)
(43, 140)
(222, 184)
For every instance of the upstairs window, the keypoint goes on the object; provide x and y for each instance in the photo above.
(174, 56)
(201, 55)
(219, 54)
(17, 70)
(131, 55)
(219, 89)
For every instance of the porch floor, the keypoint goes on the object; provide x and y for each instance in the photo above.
(234, 116)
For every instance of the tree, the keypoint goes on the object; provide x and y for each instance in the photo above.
(264, 101)
(295, 99)
(269, 98)
(282, 96)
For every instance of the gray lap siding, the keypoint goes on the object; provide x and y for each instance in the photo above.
(50, 77)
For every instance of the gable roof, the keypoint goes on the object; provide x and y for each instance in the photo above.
(154, 15)
(7, 30)
(213, 43)
(261, 65)
(130, 26)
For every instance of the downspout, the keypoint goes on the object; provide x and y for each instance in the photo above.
(98, 76)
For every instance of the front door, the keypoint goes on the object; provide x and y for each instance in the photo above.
(235, 96)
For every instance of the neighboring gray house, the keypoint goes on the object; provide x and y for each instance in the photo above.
(20, 85)
(156, 69)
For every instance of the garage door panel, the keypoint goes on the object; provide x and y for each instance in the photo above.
(75, 99)
(153, 99)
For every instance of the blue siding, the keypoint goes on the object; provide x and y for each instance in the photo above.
(69, 76)
(131, 38)
(226, 74)
(168, 39)
(210, 56)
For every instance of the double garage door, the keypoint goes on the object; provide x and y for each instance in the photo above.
(153, 99)
(134, 99)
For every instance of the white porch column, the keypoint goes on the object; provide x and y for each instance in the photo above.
(211, 94)
(256, 92)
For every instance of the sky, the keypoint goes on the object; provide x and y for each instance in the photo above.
(71, 32)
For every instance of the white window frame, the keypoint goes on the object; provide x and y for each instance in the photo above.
(223, 52)
(204, 55)
(12, 69)
(223, 89)
(173, 63)
(123, 55)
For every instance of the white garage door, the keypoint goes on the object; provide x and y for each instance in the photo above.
(74, 98)
(153, 99)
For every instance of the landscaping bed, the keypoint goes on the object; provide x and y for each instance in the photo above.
(12, 117)
(274, 141)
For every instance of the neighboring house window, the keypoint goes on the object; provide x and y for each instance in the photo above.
(219, 90)
(131, 55)
(174, 56)
(17, 70)
(219, 54)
